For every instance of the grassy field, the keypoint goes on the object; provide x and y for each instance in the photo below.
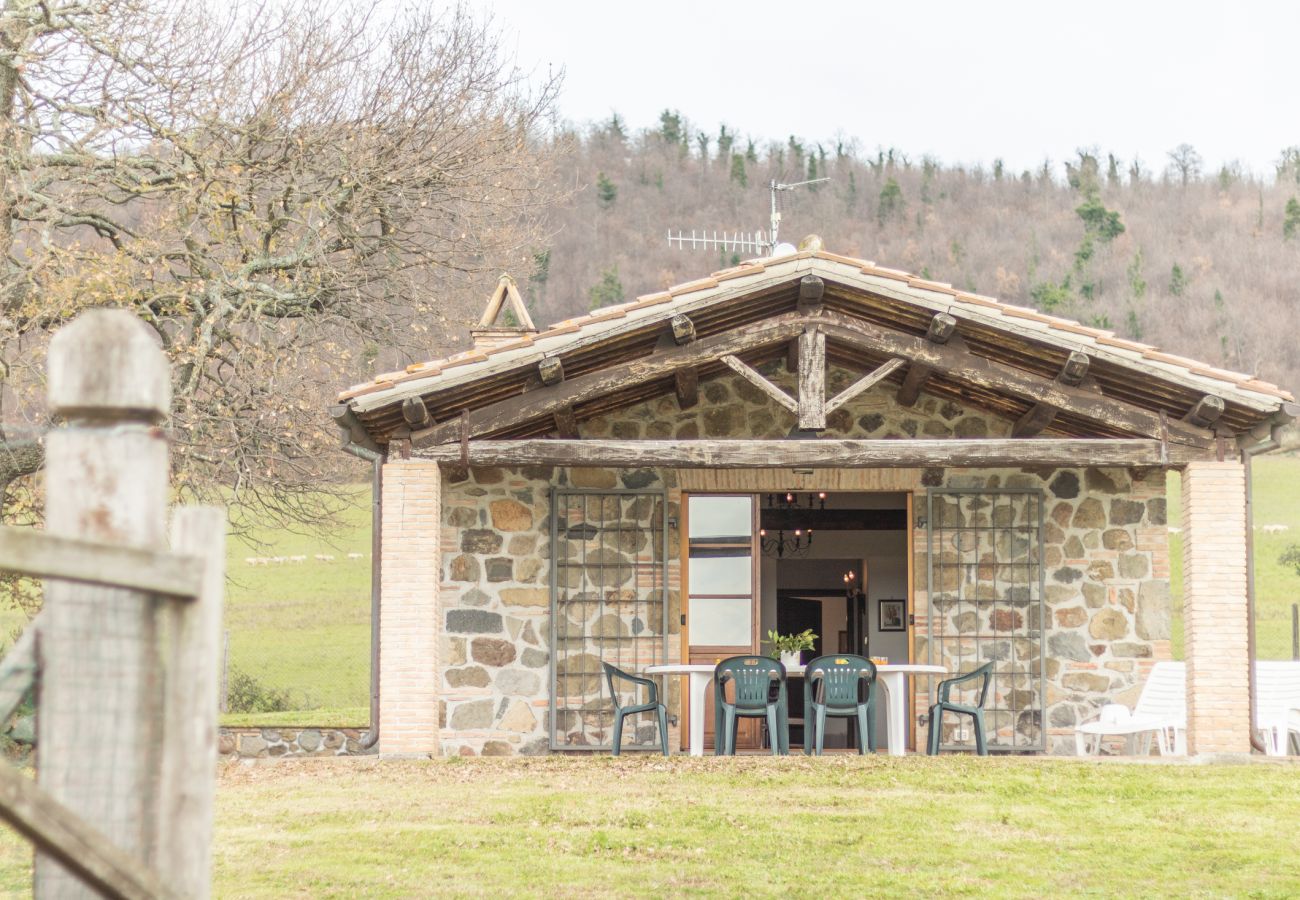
(752, 826)
(304, 627)
(1276, 498)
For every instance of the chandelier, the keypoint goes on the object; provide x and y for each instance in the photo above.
(779, 545)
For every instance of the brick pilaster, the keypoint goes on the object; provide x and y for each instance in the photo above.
(1214, 608)
(409, 572)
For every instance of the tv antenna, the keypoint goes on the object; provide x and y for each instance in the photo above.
(756, 242)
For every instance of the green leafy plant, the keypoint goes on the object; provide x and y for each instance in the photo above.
(790, 643)
(246, 693)
(1291, 557)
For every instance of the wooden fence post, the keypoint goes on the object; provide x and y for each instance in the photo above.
(190, 719)
(106, 479)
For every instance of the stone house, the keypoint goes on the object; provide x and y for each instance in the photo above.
(982, 482)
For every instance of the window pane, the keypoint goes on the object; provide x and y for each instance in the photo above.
(716, 518)
(720, 575)
(720, 622)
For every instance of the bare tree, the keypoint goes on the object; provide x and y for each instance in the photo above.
(280, 191)
(1185, 162)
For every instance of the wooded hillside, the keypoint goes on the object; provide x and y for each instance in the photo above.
(1202, 262)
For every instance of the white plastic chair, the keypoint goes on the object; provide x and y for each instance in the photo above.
(1161, 712)
(1277, 704)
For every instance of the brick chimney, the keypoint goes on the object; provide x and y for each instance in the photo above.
(505, 319)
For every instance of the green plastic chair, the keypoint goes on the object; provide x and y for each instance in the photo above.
(976, 712)
(833, 686)
(622, 712)
(754, 678)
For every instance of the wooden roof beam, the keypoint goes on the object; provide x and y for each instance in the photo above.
(822, 453)
(566, 423)
(416, 413)
(683, 330)
(550, 370)
(811, 407)
(942, 328)
(1041, 414)
(686, 384)
(811, 291)
(754, 377)
(1206, 411)
(961, 365)
(661, 364)
(862, 384)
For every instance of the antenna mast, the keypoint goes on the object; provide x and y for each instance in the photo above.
(756, 242)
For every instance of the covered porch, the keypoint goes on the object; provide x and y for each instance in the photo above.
(554, 469)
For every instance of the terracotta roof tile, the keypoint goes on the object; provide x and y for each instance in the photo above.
(1112, 341)
(758, 267)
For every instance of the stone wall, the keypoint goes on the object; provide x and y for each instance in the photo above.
(1106, 559)
(272, 743)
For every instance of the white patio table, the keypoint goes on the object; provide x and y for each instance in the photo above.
(892, 676)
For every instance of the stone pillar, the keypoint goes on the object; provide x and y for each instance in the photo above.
(1214, 608)
(410, 570)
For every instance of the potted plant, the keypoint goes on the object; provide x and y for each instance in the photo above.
(788, 647)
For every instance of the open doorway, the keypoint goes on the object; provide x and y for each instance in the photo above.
(848, 583)
(751, 567)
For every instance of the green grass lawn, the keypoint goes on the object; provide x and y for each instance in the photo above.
(1276, 498)
(839, 826)
(304, 627)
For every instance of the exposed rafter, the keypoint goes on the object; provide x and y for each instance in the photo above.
(1042, 414)
(566, 423)
(683, 330)
(686, 383)
(415, 413)
(551, 370)
(1206, 412)
(942, 327)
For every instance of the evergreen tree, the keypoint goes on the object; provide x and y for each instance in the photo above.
(615, 127)
(1177, 280)
(670, 127)
(1291, 223)
(1136, 283)
(738, 170)
(725, 140)
(702, 141)
(891, 201)
(751, 152)
(606, 191)
(1099, 220)
(607, 291)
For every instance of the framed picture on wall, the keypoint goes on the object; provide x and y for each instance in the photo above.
(893, 615)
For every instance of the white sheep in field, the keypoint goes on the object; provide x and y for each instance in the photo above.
(279, 560)
(298, 559)
(324, 557)
(256, 560)
(1276, 529)
(356, 556)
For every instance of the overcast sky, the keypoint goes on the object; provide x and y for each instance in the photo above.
(966, 82)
